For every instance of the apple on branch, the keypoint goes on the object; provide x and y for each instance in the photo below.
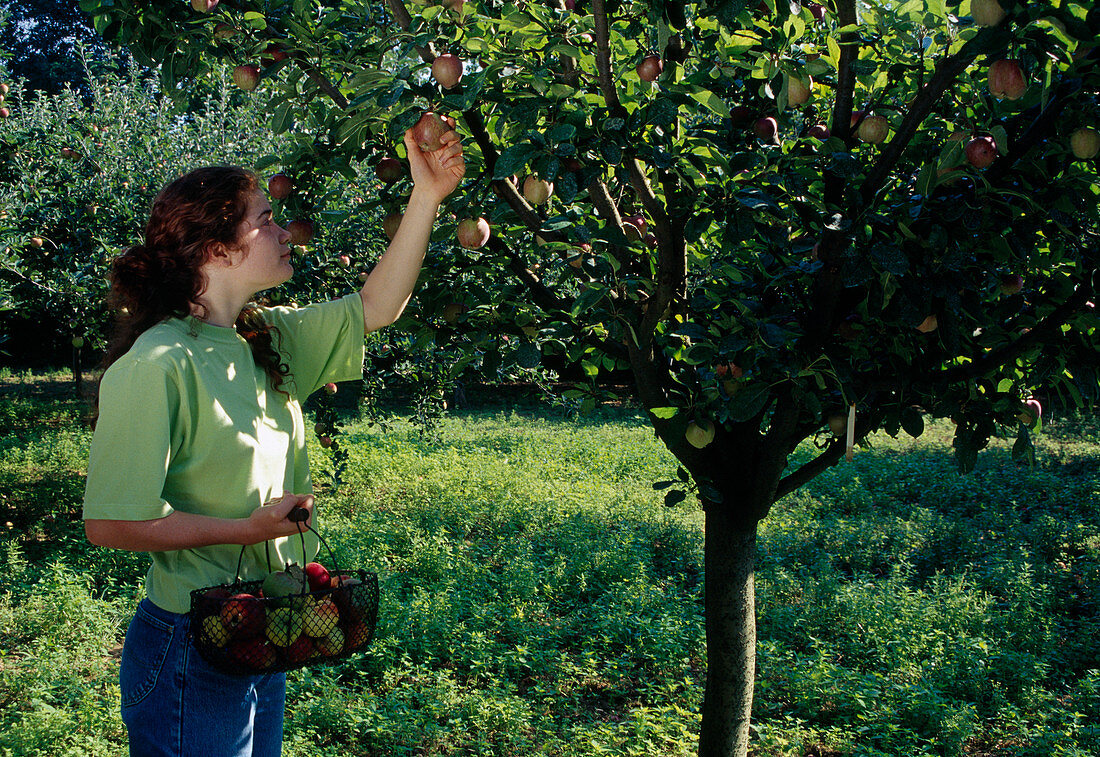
(1006, 80)
(650, 68)
(247, 77)
(301, 231)
(873, 129)
(798, 90)
(537, 191)
(280, 186)
(699, 434)
(986, 12)
(766, 129)
(447, 70)
(1085, 143)
(981, 151)
(390, 224)
(473, 233)
(389, 170)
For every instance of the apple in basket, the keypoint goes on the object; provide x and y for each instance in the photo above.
(318, 576)
(332, 644)
(321, 617)
(255, 654)
(300, 651)
(242, 615)
(287, 587)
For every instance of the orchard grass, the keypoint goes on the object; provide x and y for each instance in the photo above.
(538, 598)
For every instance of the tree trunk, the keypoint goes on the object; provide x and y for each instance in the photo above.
(730, 605)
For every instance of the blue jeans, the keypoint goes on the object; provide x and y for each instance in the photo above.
(176, 705)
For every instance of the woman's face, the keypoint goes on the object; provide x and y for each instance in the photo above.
(264, 257)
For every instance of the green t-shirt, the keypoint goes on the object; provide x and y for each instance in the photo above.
(189, 422)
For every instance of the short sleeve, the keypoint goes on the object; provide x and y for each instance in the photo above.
(321, 342)
(132, 443)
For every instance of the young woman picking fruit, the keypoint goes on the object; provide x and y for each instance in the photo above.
(199, 446)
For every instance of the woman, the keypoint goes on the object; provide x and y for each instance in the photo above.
(199, 447)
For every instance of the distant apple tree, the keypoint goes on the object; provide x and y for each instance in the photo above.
(788, 222)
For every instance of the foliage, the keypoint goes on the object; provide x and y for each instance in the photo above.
(536, 599)
(805, 262)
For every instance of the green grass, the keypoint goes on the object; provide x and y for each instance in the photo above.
(538, 599)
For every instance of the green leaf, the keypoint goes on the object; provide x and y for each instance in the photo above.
(664, 412)
(749, 401)
(675, 497)
(711, 101)
(513, 160)
(283, 118)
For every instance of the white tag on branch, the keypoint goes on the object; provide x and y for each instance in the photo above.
(849, 452)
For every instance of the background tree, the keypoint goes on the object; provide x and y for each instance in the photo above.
(787, 222)
(49, 44)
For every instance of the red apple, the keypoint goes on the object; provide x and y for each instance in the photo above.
(390, 224)
(36, 242)
(273, 54)
(741, 115)
(818, 11)
(4, 112)
(766, 129)
(301, 231)
(280, 186)
(981, 151)
(356, 635)
(204, 6)
(818, 131)
(389, 170)
(428, 130)
(447, 70)
(473, 233)
(330, 388)
(857, 116)
(317, 575)
(1006, 80)
(343, 261)
(223, 31)
(650, 68)
(247, 77)
(255, 654)
(321, 618)
(873, 130)
(242, 615)
(637, 221)
(4, 89)
(1085, 143)
(537, 191)
(300, 651)
(986, 12)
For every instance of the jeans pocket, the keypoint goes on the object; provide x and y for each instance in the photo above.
(143, 653)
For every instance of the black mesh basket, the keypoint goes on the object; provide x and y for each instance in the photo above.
(283, 622)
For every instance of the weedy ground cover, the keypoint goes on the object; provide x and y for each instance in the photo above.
(539, 599)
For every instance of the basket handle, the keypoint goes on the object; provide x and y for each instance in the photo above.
(300, 516)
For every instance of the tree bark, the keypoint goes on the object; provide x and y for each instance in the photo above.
(730, 605)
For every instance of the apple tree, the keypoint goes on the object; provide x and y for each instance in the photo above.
(787, 222)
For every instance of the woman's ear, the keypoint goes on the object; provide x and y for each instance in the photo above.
(218, 254)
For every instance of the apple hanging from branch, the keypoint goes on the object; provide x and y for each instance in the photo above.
(1006, 80)
(981, 151)
(280, 186)
(472, 233)
(650, 68)
(247, 77)
(447, 70)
